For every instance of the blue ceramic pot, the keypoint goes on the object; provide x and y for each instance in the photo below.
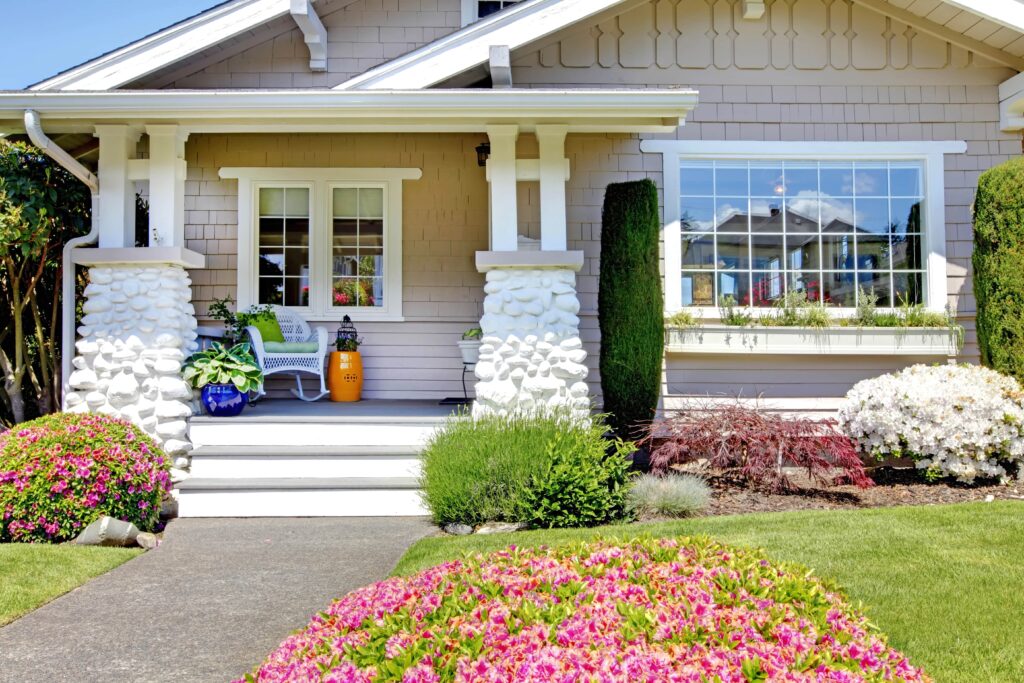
(223, 400)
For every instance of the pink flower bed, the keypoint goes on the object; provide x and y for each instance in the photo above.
(61, 472)
(686, 610)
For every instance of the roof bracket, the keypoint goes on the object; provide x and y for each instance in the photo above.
(313, 31)
(753, 9)
(500, 66)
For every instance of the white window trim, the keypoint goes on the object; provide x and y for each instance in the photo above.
(929, 152)
(321, 181)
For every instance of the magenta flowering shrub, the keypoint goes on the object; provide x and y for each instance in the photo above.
(61, 472)
(680, 610)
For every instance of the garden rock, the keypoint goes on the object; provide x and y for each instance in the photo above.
(458, 529)
(500, 528)
(108, 531)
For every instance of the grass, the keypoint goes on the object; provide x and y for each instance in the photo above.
(946, 583)
(33, 574)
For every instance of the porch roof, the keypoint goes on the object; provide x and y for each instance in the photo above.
(281, 111)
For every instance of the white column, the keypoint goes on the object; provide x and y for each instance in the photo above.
(166, 185)
(551, 140)
(116, 215)
(501, 173)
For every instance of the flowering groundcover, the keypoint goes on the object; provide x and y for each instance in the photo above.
(61, 472)
(686, 610)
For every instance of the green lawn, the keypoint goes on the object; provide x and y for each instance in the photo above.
(33, 574)
(946, 583)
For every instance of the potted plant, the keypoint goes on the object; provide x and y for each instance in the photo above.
(345, 372)
(225, 375)
(469, 345)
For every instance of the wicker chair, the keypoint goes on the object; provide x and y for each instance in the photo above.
(295, 330)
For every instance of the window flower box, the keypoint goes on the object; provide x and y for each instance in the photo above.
(849, 341)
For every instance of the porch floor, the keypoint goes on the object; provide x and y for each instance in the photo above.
(324, 410)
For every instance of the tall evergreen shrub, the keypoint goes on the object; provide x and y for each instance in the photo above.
(630, 306)
(999, 267)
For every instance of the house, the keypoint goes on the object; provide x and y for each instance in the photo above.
(447, 159)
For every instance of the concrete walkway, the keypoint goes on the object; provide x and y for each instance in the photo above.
(208, 605)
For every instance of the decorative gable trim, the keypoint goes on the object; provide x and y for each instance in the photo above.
(470, 47)
(166, 47)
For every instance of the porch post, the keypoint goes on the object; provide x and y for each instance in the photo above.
(116, 215)
(501, 174)
(166, 185)
(553, 164)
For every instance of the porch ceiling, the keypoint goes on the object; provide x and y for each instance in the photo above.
(464, 110)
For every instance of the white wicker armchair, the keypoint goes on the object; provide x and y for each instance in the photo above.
(295, 330)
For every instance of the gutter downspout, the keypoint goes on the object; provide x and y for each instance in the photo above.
(34, 128)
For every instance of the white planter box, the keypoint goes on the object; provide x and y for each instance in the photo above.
(470, 349)
(850, 341)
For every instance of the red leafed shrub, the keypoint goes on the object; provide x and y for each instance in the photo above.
(755, 446)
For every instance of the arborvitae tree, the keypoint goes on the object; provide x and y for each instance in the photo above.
(630, 306)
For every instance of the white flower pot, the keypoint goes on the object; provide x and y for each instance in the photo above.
(470, 349)
(875, 341)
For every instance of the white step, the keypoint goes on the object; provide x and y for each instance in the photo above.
(300, 497)
(269, 462)
(318, 431)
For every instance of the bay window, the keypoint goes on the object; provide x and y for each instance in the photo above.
(325, 241)
(748, 222)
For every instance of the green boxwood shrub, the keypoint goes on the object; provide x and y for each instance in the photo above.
(543, 470)
(61, 472)
(998, 275)
(630, 306)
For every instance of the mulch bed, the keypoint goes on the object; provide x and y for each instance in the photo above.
(893, 487)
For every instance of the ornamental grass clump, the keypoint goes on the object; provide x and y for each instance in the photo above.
(642, 611)
(756, 447)
(61, 472)
(545, 470)
(675, 495)
(961, 421)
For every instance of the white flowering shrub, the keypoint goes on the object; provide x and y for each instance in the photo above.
(960, 421)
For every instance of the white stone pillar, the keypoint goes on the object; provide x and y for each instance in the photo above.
(166, 185)
(553, 230)
(116, 215)
(501, 174)
(531, 356)
(138, 327)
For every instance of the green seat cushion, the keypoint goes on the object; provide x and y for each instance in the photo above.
(269, 329)
(291, 347)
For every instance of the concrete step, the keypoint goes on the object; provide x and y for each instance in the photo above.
(270, 462)
(300, 497)
(293, 432)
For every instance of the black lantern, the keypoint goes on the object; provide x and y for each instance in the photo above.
(348, 338)
(483, 153)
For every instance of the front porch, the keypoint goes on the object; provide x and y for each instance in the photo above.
(289, 458)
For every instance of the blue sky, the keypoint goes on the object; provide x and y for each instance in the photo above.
(43, 37)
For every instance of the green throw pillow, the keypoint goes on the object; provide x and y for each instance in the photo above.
(269, 328)
(291, 347)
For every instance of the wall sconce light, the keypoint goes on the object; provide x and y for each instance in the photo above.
(483, 153)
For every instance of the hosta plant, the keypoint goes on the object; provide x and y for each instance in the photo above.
(61, 472)
(642, 611)
(961, 421)
(756, 446)
(224, 365)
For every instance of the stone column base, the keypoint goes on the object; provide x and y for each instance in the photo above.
(531, 355)
(138, 328)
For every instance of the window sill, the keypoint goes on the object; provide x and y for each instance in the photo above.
(357, 317)
(839, 341)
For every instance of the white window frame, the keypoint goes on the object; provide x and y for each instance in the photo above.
(471, 11)
(321, 182)
(931, 153)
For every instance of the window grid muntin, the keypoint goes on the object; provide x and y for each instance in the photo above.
(915, 238)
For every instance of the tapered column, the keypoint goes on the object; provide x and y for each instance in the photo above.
(501, 174)
(551, 140)
(116, 214)
(166, 185)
